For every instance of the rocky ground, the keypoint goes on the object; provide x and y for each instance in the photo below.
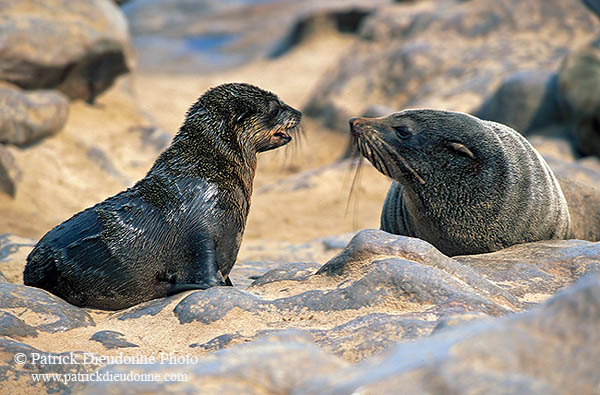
(323, 302)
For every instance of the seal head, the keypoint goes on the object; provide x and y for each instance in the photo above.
(465, 185)
(181, 226)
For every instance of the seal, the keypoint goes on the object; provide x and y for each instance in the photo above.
(465, 185)
(180, 227)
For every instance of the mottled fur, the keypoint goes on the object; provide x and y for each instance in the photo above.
(181, 226)
(465, 185)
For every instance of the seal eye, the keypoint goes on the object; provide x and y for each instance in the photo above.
(274, 113)
(402, 132)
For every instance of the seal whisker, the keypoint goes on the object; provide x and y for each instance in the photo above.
(357, 164)
(404, 161)
(382, 163)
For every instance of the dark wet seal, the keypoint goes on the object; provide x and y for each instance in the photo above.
(180, 227)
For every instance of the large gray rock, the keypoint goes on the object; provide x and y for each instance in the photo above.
(41, 310)
(346, 17)
(593, 5)
(29, 116)
(579, 89)
(448, 54)
(78, 47)
(277, 363)
(524, 101)
(111, 340)
(584, 207)
(521, 270)
(13, 253)
(10, 173)
(22, 367)
(553, 348)
(297, 327)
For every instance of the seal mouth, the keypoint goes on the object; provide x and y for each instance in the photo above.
(283, 135)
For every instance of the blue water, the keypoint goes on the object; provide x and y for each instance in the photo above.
(208, 43)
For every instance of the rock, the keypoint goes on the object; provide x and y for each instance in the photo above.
(283, 259)
(218, 342)
(388, 282)
(534, 271)
(337, 242)
(40, 309)
(292, 355)
(525, 101)
(590, 162)
(345, 18)
(27, 117)
(378, 111)
(153, 136)
(22, 367)
(517, 354)
(214, 303)
(584, 207)
(112, 340)
(445, 54)
(98, 156)
(554, 145)
(371, 244)
(382, 293)
(150, 308)
(579, 88)
(10, 173)
(578, 171)
(289, 271)
(76, 47)
(12, 326)
(552, 349)
(370, 334)
(13, 255)
(456, 320)
(593, 5)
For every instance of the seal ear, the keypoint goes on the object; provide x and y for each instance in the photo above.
(462, 149)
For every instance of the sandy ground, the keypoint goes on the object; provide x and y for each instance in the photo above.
(100, 153)
(300, 194)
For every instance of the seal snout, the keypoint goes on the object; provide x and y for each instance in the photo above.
(356, 124)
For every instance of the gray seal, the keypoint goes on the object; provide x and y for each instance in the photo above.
(181, 226)
(465, 185)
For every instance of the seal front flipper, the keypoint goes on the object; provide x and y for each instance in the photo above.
(205, 272)
(217, 280)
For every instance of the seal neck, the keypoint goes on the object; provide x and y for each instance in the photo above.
(201, 157)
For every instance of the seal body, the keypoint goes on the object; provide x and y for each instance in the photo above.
(181, 226)
(465, 185)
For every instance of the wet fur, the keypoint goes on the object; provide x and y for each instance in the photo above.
(465, 185)
(181, 226)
